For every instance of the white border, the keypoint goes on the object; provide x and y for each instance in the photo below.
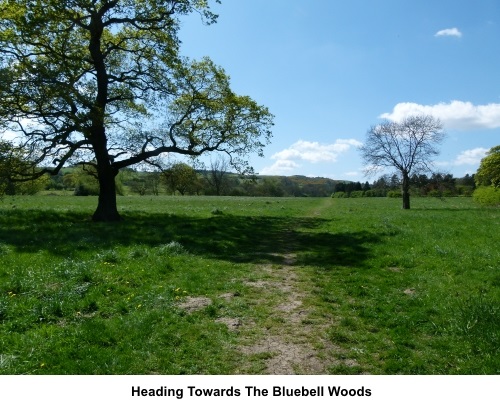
(407, 390)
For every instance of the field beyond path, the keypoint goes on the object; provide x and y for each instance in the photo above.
(219, 285)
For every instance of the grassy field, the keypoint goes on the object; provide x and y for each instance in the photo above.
(218, 285)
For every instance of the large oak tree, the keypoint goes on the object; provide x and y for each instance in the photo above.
(407, 146)
(101, 83)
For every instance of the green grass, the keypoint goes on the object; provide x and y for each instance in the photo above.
(408, 292)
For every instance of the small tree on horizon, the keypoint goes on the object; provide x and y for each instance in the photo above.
(180, 177)
(216, 175)
(488, 173)
(407, 146)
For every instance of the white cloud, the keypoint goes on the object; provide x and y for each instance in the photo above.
(449, 32)
(461, 115)
(281, 167)
(352, 174)
(315, 152)
(470, 157)
(305, 151)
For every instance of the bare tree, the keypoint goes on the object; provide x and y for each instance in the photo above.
(216, 176)
(407, 146)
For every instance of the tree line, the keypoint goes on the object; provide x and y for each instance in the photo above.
(218, 179)
(421, 185)
(183, 179)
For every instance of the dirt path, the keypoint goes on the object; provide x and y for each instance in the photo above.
(292, 336)
(290, 342)
(293, 340)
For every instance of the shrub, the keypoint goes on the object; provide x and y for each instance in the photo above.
(357, 194)
(435, 193)
(487, 195)
(465, 191)
(85, 190)
(375, 193)
(394, 194)
(339, 194)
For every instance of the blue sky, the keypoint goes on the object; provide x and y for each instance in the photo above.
(329, 70)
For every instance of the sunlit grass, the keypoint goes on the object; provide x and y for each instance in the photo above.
(410, 292)
(427, 300)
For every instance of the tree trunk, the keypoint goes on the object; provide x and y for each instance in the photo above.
(406, 191)
(107, 210)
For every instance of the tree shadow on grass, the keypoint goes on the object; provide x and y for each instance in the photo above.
(239, 239)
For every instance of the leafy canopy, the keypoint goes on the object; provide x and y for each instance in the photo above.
(14, 167)
(489, 169)
(102, 82)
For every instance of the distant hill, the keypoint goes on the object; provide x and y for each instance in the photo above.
(131, 182)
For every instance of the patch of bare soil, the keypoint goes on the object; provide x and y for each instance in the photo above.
(192, 304)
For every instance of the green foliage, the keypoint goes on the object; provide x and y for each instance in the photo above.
(84, 180)
(489, 169)
(357, 194)
(180, 177)
(147, 183)
(104, 83)
(487, 195)
(375, 193)
(32, 187)
(435, 193)
(17, 174)
(394, 194)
